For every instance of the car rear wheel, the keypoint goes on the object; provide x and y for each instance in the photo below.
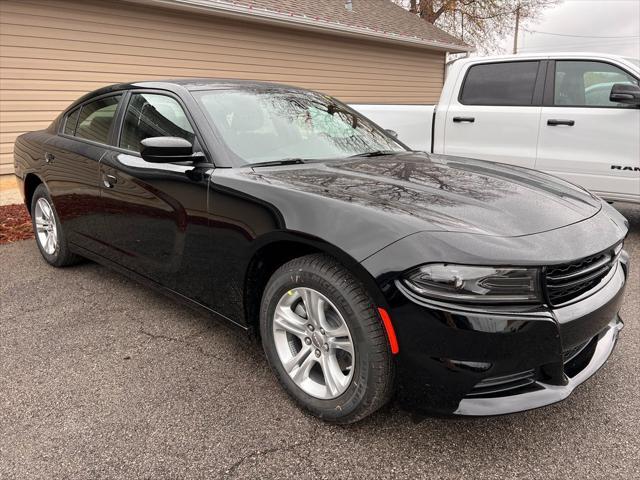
(50, 237)
(325, 341)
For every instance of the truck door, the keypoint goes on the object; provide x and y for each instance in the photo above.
(584, 137)
(496, 114)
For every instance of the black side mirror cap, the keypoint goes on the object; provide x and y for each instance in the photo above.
(626, 93)
(168, 150)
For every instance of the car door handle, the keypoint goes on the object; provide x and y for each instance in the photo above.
(109, 180)
(463, 119)
(553, 122)
(49, 157)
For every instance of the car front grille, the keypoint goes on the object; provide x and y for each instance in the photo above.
(570, 280)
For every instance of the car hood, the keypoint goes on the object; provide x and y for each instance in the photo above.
(441, 193)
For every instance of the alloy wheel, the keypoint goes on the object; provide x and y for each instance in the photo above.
(313, 343)
(46, 226)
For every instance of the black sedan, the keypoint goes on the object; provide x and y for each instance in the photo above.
(366, 269)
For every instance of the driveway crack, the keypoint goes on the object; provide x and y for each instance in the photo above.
(231, 470)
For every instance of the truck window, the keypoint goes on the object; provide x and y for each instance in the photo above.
(587, 83)
(504, 83)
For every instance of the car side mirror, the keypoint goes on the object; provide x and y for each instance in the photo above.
(168, 150)
(626, 93)
(392, 133)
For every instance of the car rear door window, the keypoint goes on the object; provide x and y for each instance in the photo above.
(153, 115)
(96, 119)
(588, 83)
(505, 83)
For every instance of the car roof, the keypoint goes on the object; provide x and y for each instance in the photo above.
(209, 83)
(190, 84)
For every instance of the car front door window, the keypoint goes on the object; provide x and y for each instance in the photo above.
(153, 115)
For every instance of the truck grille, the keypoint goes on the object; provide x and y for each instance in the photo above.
(570, 280)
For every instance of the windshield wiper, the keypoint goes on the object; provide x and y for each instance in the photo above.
(285, 161)
(376, 153)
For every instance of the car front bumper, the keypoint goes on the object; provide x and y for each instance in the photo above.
(545, 393)
(473, 362)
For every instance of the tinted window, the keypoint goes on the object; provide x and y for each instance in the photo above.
(71, 122)
(508, 83)
(96, 118)
(588, 84)
(270, 125)
(153, 115)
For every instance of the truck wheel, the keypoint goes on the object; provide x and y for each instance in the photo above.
(324, 340)
(50, 237)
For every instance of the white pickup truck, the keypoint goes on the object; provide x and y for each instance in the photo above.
(576, 116)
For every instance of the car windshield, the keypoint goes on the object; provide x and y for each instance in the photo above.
(275, 125)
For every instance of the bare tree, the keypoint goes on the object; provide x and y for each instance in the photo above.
(482, 23)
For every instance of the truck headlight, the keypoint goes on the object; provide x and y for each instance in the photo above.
(462, 283)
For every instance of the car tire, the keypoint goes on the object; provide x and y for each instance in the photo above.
(357, 383)
(50, 237)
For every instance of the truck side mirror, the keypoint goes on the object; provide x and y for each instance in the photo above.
(626, 93)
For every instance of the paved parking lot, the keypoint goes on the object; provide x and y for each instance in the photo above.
(102, 378)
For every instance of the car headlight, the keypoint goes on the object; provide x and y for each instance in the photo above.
(462, 283)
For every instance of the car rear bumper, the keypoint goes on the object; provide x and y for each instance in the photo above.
(467, 362)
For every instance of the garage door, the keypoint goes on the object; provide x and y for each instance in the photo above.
(52, 52)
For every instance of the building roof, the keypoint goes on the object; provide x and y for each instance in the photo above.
(375, 19)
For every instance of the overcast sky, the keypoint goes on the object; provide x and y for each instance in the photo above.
(585, 18)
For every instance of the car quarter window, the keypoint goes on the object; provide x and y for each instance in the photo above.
(71, 121)
(96, 118)
(504, 83)
(588, 83)
(153, 115)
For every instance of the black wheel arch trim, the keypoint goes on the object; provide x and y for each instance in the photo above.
(355, 267)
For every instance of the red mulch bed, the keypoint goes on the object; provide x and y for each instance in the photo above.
(15, 223)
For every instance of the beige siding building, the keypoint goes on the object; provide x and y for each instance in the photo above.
(364, 51)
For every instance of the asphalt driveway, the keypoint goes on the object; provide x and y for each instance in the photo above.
(103, 378)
